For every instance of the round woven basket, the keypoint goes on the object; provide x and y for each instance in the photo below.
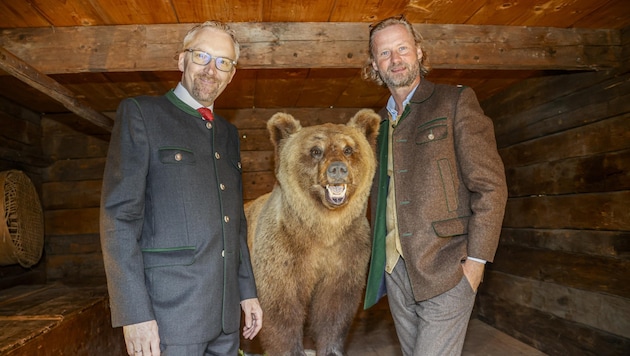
(21, 220)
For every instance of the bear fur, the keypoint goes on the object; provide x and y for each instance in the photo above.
(309, 238)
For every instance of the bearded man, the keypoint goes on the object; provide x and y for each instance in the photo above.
(438, 197)
(173, 230)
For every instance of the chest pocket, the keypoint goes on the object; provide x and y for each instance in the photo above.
(176, 155)
(434, 130)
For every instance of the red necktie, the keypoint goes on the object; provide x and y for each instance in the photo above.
(206, 113)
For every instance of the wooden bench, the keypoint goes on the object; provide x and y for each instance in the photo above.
(55, 319)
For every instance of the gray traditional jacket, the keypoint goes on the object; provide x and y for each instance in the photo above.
(450, 190)
(173, 230)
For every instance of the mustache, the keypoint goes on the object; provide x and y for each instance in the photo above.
(397, 66)
(204, 76)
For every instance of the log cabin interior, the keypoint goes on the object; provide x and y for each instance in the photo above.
(553, 75)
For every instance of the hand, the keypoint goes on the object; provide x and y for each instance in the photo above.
(142, 339)
(473, 271)
(253, 317)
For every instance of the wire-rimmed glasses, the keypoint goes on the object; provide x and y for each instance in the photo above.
(203, 58)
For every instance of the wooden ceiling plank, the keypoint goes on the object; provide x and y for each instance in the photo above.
(21, 14)
(73, 12)
(610, 14)
(367, 11)
(298, 10)
(312, 45)
(128, 12)
(191, 11)
(442, 12)
(26, 73)
(558, 13)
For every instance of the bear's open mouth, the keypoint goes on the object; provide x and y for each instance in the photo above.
(336, 194)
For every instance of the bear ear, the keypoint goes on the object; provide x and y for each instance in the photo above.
(282, 125)
(368, 122)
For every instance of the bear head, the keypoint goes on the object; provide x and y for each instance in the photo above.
(325, 167)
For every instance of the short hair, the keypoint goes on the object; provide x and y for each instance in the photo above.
(368, 72)
(217, 26)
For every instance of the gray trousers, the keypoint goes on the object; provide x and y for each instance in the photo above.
(223, 345)
(435, 326)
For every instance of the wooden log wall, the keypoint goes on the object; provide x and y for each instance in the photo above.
(560, 278)
(71, 199)
(21, 149)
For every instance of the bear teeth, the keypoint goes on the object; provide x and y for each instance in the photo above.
(336, 193)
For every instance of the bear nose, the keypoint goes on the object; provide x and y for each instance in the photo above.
(337, 171)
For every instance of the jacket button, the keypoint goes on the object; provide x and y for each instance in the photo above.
(239, 165)
(222, 253)
(178, 156)
(217, 155)
(226, 218)
(222, 186)
(209, 125)
(431, 136)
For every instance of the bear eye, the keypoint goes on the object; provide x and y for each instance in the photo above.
(316, 152)
(348, 151)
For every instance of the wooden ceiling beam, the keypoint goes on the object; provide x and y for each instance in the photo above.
(40, 81)
(313, 45)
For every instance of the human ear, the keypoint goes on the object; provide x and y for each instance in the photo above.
(181, 64)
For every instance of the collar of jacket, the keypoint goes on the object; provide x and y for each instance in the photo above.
(170, 95)
(424, 91)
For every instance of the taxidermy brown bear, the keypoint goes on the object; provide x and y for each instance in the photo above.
(310, 238)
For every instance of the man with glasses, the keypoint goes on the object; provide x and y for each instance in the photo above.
(438, 198)
(173, 230)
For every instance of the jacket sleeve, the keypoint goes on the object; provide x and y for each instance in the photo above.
(122, 216)
(247, 284)
(483, 174)
(246, 281)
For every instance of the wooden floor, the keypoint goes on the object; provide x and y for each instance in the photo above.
(373, 334)
(60, 319)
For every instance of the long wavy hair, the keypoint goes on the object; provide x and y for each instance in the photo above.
(368, 72)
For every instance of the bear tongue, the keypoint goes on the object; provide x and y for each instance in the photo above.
(336, 193)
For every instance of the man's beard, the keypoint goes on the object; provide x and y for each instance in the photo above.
(401, 81)
(205, 92)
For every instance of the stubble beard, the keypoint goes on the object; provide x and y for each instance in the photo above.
(400, 81)
(205, 92)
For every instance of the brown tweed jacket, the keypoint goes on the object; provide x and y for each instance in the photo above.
(450, 189)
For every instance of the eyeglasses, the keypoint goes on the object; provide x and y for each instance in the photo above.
(202, 58)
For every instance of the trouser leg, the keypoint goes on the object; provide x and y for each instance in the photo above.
(436, 326)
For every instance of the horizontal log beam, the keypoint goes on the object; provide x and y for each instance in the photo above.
(40, 81)
(312, 45)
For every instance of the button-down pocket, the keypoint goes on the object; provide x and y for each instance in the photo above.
(432, 131)
(176, 155)
(451, 227)
(165, 257)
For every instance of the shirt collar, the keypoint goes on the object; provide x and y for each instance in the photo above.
(182, 94)
(391, 104)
